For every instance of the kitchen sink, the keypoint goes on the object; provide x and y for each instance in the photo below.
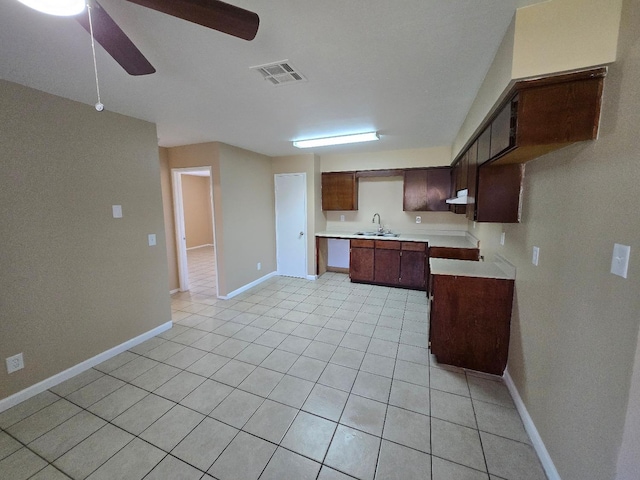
(377, 234)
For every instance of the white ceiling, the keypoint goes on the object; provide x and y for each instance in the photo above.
(408, 69)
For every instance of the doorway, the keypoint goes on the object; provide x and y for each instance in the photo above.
(291, 224)
(195, 234)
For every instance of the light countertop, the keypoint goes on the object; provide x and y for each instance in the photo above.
(500, 269)
(463, 240)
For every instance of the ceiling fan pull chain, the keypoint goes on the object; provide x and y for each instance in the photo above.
(99, 105)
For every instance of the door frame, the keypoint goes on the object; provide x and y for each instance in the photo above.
(304, 228)
(179, 227)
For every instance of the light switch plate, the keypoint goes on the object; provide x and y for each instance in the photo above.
(536, 256)
(117, 211)
(620, 260)
(152, 239)
(502, 237)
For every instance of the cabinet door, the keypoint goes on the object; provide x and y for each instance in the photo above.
(498, 196)
(470, 322)
(361, 264)
(455, 253)
(472, 179)
(438, 189)
(501, 134)
(339, 191)
(415, 190)
(426, 189)
(387, 262)
(459, 182)
(412, 269)
(484, 146)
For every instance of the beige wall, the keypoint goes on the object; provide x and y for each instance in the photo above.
(244, 209)
(575, 325)
(75, 282)
(169, 223)
(422, 157)
(248, 205)
(196, 201)
(383, 195)
(563, 35)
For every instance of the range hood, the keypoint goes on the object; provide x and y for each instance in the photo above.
(461, 198)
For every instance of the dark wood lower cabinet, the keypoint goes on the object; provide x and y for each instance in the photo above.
(413, 261)
(389, 262)
(361, 261)
(470, 322)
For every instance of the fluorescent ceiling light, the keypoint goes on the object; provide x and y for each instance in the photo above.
(62, 8)
(341, 140)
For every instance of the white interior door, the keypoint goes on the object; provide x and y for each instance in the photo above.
(291, 224)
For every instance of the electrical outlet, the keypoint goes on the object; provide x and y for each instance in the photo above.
(342, 218)
(502, 235)
(418, 219)
(536, 256)
(15, 363)
(259, 266)
(152, 239)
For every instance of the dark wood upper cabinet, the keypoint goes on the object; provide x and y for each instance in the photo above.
(537, 117)
(472, 179)
(339, 191)
(502, 133)
(426, 189)
(547, 114)
(499, 190)
(484, 146)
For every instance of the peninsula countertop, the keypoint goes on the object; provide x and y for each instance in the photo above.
(462, 240)
(500, 269)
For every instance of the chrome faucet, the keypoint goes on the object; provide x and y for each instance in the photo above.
(373, 220)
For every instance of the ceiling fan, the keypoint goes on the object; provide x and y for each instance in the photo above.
(214, 14)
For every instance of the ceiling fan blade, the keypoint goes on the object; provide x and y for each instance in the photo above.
(108, 34)
(213, 14)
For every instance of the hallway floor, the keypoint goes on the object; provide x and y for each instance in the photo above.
(294, 379)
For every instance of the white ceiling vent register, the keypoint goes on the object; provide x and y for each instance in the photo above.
(280, 73)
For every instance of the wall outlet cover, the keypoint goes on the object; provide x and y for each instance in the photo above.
(418, 219)
(259, 266)
(502, 237)
(15, 363)
(342, 218)
(620, 260)
(536, 256)
(152, 239)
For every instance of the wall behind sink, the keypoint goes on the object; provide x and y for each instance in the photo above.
(383, 195)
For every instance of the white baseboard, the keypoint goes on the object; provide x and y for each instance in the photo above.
(248, 286)
(201, 246)
(40, 387)
(312, 277)
(529, 426)
(175, 290)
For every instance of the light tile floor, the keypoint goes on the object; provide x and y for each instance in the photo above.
(293, 379)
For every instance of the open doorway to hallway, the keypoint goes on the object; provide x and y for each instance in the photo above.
(195, 237)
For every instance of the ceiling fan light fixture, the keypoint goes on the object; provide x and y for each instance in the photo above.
(61, 8)
(340, 140)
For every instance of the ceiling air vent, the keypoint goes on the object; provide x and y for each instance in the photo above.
(280, 73)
